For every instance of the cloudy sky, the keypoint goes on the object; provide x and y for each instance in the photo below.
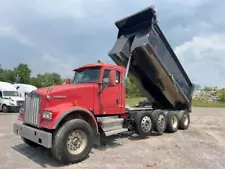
(58, 35)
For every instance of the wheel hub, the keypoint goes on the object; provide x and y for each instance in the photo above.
(146, 124)
(76, 142)
(161, 121)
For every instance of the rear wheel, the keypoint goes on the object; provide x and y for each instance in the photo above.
(172, 123)
(73, 141)
(143, 123)
(160, 121)
(185, 121)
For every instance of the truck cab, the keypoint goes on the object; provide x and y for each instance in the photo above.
(9, 98)
(105, 97)
(95, 88)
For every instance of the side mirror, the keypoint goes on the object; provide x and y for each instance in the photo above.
(112, 78)
(67, 81)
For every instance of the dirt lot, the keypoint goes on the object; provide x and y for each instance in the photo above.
(201, 146)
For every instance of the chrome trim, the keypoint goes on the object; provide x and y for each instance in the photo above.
(32, 109)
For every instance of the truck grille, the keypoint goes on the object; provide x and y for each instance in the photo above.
(32, 109)
(20, 103)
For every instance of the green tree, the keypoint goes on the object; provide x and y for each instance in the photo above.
(36, 82)
(23, 73)
(46, 79)
(221, 94)
(131, 90)
(8, 75)
(197, 87)
(207, 88)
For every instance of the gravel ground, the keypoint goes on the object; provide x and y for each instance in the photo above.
(201, 146)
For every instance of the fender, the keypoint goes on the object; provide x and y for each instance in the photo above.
(78, 109)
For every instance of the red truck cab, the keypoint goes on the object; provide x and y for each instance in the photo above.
(95, 90)
(89, 91)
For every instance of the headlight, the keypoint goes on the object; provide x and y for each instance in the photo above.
(47, 115)
(21, 110)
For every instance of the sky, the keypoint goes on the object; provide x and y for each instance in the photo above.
(59, 35)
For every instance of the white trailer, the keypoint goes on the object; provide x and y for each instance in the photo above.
(24, 89)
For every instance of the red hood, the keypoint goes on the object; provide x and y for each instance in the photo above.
(58, 88)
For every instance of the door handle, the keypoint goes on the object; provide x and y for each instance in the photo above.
(117, 101)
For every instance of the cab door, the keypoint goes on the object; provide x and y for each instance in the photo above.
(110, 97)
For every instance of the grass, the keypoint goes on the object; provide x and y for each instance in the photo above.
(199, 103)
(133, 101)
(195, 103)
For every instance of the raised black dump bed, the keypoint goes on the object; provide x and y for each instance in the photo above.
(155, 70)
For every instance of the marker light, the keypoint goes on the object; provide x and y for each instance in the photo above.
(74, 102)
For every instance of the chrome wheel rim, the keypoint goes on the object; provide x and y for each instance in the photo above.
(186, 120)
(161, 121)
(76, 142)
(4, 109)
(146, 124)
(174, 122)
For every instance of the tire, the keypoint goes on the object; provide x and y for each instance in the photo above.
(172, 122)
(60, 149)
(143, 124)
(5, 108)
(159, 121)
(184, 121)
(30, 143)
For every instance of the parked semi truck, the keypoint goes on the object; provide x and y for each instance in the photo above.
(69, 119)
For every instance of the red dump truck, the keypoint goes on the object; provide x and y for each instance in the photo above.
(69, 119)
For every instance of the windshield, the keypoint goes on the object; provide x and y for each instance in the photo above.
(87, 75)
(11, 93)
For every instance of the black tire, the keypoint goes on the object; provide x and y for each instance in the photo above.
(5, 108)
(172, 122)
(159, 126)
(30, 143)
(59, 148)
(143, 124)
(184, 121)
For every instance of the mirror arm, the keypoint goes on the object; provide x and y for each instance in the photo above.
(101, 87)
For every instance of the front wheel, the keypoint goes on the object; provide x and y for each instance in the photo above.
(73, 141)
(5, 108)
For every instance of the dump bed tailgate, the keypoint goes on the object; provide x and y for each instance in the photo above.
(155, 70)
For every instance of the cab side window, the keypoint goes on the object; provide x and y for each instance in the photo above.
(0, 93)
(117, 77)
(105, 78)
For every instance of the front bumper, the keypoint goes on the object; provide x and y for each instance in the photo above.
(14, 108)
(38, 136)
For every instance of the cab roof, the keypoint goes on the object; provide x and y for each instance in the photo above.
(106, 65)
(6, 86)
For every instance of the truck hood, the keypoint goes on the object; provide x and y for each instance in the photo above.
(16, 98)
(58, 88)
